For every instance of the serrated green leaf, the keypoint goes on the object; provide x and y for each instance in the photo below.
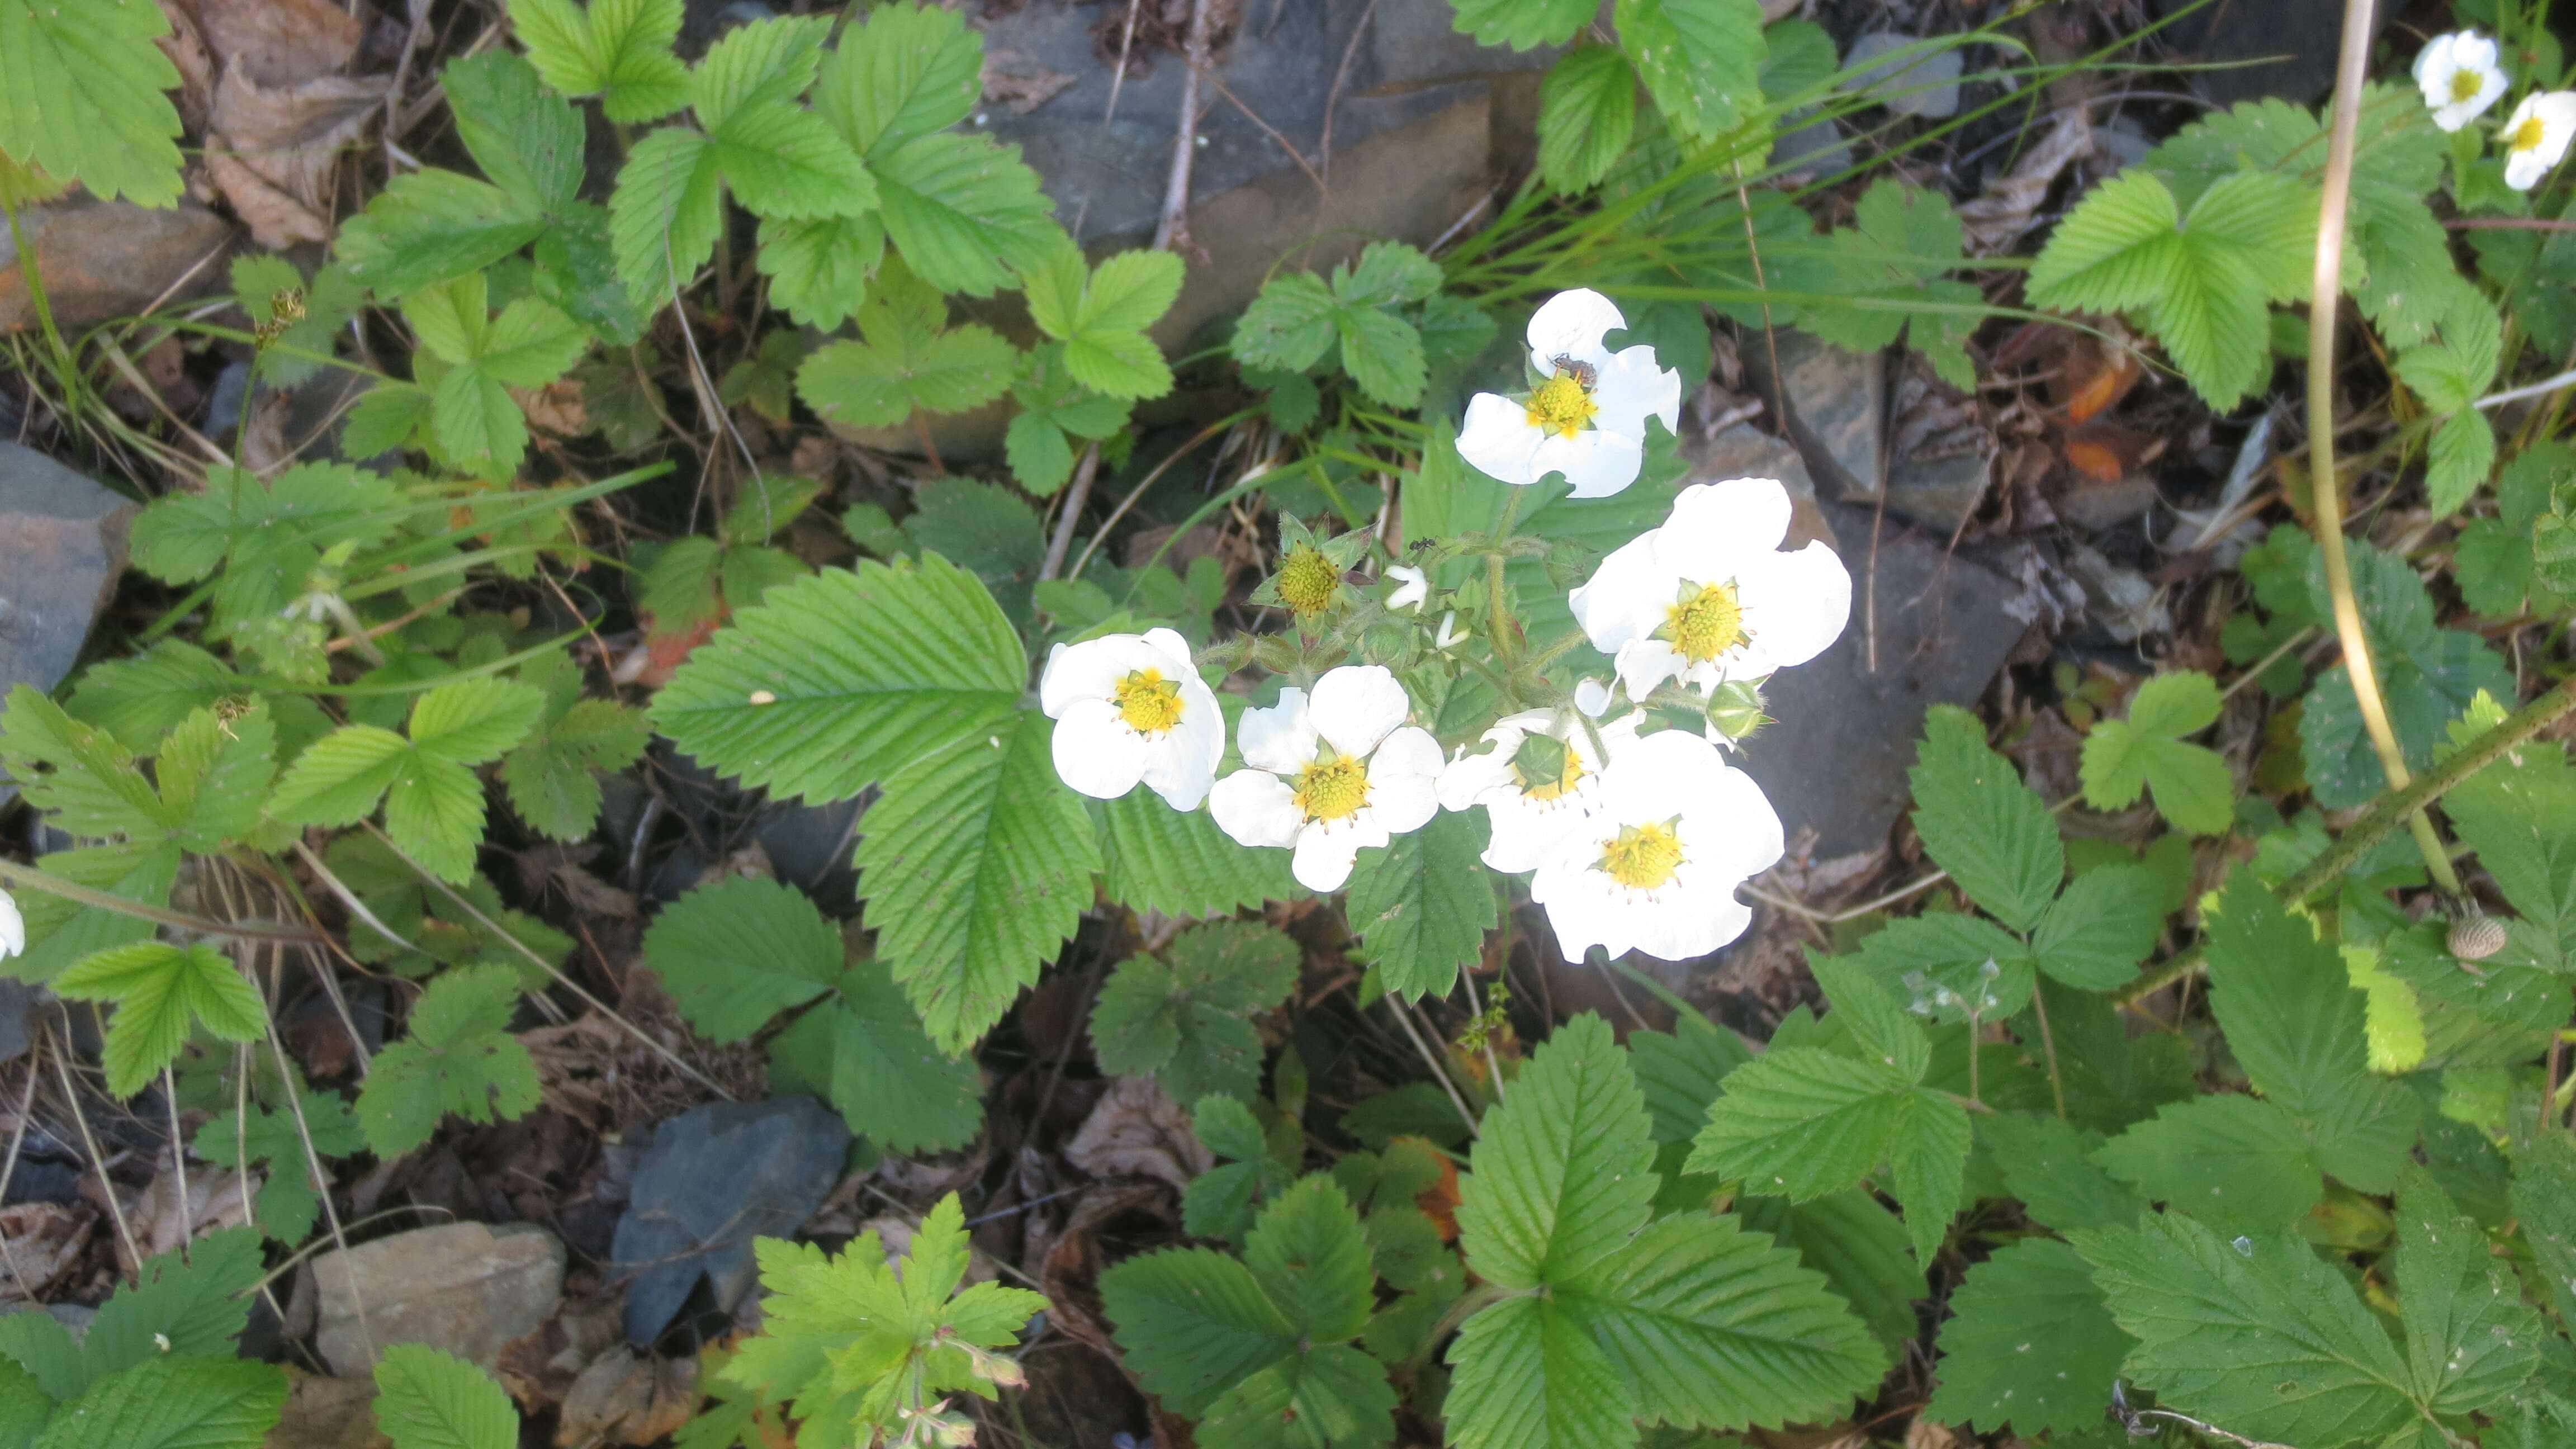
(1800, 1122)
(782, 161)
(1527, 1374)
(1289, 324)
(965, 211)
(976, 865)
(1159, 859)
(1680, 1073)
(619, 47)
(2459, 460)
(2029, 1344)
(888, 1080)
(430, 225)
(553, 778)
(528, 143)
(2050, 1165)
(1422, 904)
(24, 1406)
(1895, 257)
(1383, 354)
(895, 366)
(198, 1305)
(1926, 1165)
(2519, 815)
(81, 96)
(1700, 59)
(2104, 924)
(1860, 1248)
(908, 71)
(1981, 823)
(2147, 752)
(2265, 1338)
(1330, 1397)
(474, 720)
(1950, 964)
(762, 62)
(426, 1399)
(818, 269)
(162, 992)
(1193, 1323)
(735, 953)
(1310, 1258)
(173, 1402)
(2292, 1018)
(1587, 110)
(2471, 1340)
(458, 1056)
(2226, 1159)
(665, 213)
(1190, 1021)
(1521, 24)
(1563, 1172)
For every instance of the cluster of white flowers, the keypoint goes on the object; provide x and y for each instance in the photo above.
(2460, 78)
(13, 928)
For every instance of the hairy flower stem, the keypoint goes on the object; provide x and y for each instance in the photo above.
(2351, 71)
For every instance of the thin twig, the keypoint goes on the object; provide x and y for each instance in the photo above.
(89, 1143)
(2325, 294)
(1074, 498)
(1395, 1008)
(1118, 76)
(2517, 394)
(1119, 512)
(9, 1174)
(179, 1165)
(1333, 97)
(12, 873)
(1172, 233)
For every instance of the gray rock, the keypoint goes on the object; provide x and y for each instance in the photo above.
(1837, 761)
(1927, 86)
(1835, 407)
(2121, 600)
(1812, 150)
(1745, 451)
(62, 544)
(715, 1178)
(2096, 505)
(463, 1288)
(2293, 40)
(1939, 492)
(102, 259)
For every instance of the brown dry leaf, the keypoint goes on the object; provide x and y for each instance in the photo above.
(557, 408)
(186, 47)
(1924, 1434)
(288, 135)
(279, 42)
(1019, 84)
(217, 1200)
(1139, 1131)
(44, 1238)
(1994, 221)
(1069, 1274)
(276, 220)
(628, 1398)
(327, 1413)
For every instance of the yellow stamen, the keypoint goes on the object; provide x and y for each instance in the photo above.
(1562, 404)
(2527, 136)
(1643, 857)
(1149, 703)
(1307, 580)
(1332, 789)
(1706, 624)
(2464, 85)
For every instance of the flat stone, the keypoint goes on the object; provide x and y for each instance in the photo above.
(2096, 505)
(103, 259)
(2259, 48)
(1939, 492)
(1812, 150)
(715, 1178)
(1745, 451)
(462, 1288)
(1836, 409)
(1836, 761)
(62, 544)
(1927, 86)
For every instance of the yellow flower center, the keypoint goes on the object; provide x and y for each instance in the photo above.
(1149, 703)
(1643, 857)
(2527, 136)
(1332, 789)
(1706, 624)
(1562, 404)
(1307, 580)
(2464, 85)
(1545, 768)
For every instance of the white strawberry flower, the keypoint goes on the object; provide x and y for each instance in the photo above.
(1711, 596)
(2459, 77)
(1655, 866)
(1131, 707)
(1541, 779)
(2536, 136)
(13, 928)
(1331, 774)
(1412, 587)
(1587, 417)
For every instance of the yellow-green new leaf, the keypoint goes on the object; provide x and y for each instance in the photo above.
(162, 992)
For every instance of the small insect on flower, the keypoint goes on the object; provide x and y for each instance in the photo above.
(2536, 137)
(2459, 77)
(1586, 417)
(1130, 708)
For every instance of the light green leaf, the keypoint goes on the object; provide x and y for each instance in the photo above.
(430, 225)
(1981, 823)
(620, 47)
(762, 62)
(458, 1056)
(1330, 1397)
(553, 778)
(426, 1399)
(1564, 1170)
(473, 720)
(2147, 751)
(782, 161)
(818, 270)
(161, 993)
(1700, 59)
(2029, 1344)
(900, 363)
(81, 96)
(528, 143)
(665, 213)
(1801, 1122)
(1587, 109)
(2050, 1165)
(2265, 1338)
(1288, 326)
(1422, 904)
(965, 211)
(908, 71)
(1521, 24)
(735, 953)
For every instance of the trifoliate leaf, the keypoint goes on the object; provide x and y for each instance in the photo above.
(433, 803)
(764, 61)
(185, 1307)
(288, 1205)
(618, 47)
(84, 96)
(553, 779)
(1189, 1021)
(1055, 408)
(162, 992)
(530, 344)
(1564, 1171)
(1421, 905)
(1218, 1202)
(1193, 1323)
(2259, 1333)
(1288, 326)
(900, 362)
(426, 1399)
(1894, 259)
(2029, 1344)
(908, 71)
(1700, 59)
(1101, 317)
(457, 1056)
(266, 535)
(965, 211)
(2148, 751)
(1981, 823)
(782, 161)
(818, 269)
(2224, 1159)
(173, 1402)
(1950, 965)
